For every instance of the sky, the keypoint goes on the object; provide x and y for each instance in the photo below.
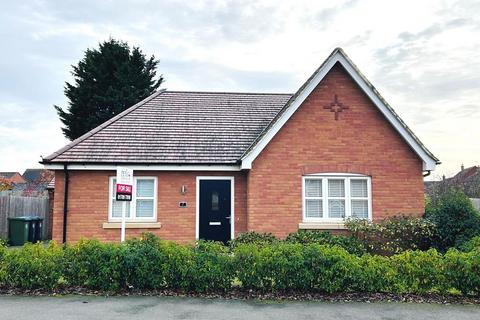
(422, 56)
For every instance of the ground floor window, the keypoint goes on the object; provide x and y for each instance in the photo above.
(336, 197)
(143, 206)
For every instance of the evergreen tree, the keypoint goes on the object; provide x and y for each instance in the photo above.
(107, 81)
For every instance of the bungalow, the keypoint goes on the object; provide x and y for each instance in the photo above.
(211, 165)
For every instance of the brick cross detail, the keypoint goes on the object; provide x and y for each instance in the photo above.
(336, 107)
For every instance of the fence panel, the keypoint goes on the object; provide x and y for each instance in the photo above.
(13, 204)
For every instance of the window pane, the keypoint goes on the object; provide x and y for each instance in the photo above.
(336, 188)
(145, 187)
(215, 201)
(358, 188)
(336, 208)
(145, 208)
(360, 209)
(314, 208)
(313, 188)
(117, 207)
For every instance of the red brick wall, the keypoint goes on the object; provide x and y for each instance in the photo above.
(88, 205)
(312, 141)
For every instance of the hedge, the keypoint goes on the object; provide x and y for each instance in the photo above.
(150, 264)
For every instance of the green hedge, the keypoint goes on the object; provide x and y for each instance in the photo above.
(149, 263)
(393, 235)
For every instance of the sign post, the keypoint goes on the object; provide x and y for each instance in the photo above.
(123, 189)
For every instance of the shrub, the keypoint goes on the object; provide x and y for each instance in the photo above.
(213, 269)
(253, 237)
(462, 271)
(95, 265)
(293, 266)
(455, 218)
(330, 269)
(349, 243)
(393, 235)
(143, 263)
(32, 266)
(3, 242)
(418, 272)
(470, 245)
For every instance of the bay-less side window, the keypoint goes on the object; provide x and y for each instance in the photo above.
(336, 197)
(143, 204)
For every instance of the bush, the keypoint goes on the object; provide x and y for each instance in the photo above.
(3, 242)
(33, 266)
(149, 263)
(470, 245)
(349, 243)
(143, 263)
(455, 218)
(418, 272)
(393, 235)
(462, 271)
(253, 237)
(213, 269)
(95, 265)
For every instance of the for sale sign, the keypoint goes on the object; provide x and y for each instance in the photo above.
(124, 184)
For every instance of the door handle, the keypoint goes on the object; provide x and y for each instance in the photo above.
(229, 217)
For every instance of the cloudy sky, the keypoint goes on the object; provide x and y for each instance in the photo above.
(423, 56)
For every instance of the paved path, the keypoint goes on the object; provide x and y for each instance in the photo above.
(118, 308)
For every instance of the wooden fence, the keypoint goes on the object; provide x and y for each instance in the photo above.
(13, 204)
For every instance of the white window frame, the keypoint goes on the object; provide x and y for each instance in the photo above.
(133, 204)
(324, 177)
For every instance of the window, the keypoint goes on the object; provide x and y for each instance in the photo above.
(336, 197)
(143, 205)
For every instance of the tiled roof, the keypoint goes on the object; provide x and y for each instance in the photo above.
(7, 174)
(39, 175)
(178, 127)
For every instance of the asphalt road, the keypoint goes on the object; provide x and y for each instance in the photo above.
(118, 308)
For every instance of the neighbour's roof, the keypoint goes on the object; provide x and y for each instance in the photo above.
(39, 175)
(8, 175)
(178, 127)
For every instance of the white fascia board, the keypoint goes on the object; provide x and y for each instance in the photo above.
(428, 162)
(145, 167)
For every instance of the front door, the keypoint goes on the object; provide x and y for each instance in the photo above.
(215, 209)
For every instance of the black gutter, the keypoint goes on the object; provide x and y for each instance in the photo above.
(427, 174)
(65, 203)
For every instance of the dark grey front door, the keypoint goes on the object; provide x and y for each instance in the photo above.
(215, 210)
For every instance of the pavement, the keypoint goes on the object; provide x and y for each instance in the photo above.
(135, 307)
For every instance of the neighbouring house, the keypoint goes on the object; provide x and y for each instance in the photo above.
(35, 182)
(212, 165)
(12, 177)
(467, 180)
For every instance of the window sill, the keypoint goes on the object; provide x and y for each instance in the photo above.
(322, 226)
(132, 225)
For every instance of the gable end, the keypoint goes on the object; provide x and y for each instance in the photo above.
(338, 56)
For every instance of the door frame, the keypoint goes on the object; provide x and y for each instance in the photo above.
(232, 202)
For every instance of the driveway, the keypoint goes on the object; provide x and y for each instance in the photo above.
(118, 308)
